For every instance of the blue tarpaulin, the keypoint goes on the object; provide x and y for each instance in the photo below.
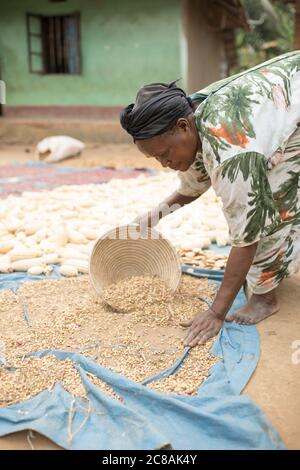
(219, 417)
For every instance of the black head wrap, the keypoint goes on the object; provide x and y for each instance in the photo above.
(156, 110)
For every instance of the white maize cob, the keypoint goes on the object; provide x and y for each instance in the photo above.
(68, 271)
(31, 229)
(76, 237)
(73, 254)
(25, 264)
(5, 247)
(5, 267)
(51, 258)
(89, 233)
(36, 270)
(24, 253)
(81, 264)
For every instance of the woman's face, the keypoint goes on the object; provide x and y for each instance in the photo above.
(175, 149)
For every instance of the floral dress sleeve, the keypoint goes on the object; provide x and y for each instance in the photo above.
(195, 181)
(241, 127)
(248, 203)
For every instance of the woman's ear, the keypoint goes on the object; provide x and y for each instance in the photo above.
(182, 124)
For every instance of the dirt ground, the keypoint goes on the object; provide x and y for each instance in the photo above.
(275, 383)
(116, 156)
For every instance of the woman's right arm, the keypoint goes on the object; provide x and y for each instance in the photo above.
(167, 206)
(192, 184)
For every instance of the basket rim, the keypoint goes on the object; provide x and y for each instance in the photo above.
(149, 230)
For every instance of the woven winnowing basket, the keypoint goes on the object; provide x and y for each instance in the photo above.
(128, 251)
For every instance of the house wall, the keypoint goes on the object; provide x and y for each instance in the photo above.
(124, 44)
(203, 46)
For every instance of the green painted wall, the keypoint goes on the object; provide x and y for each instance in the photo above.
(124, 44)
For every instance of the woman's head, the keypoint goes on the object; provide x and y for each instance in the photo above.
(162, 124)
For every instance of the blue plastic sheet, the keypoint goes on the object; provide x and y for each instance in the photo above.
(217, 418)
(14, 280)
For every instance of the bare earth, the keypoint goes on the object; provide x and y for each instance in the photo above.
(275, 383)
(117, 156)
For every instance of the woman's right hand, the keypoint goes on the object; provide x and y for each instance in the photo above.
(146, 220)
(169, 205)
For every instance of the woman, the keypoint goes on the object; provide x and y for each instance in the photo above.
(244, 140)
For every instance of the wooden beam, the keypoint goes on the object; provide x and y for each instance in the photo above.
(236, 15)
(297, 25)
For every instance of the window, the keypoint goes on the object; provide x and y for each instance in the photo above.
(53, 44)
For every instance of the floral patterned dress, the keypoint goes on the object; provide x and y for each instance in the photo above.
(249, 125)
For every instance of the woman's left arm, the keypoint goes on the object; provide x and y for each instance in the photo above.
(207, 324)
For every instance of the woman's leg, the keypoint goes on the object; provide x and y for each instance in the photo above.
(265, 274)
(259, 307)
(278, 255)
(277, 258)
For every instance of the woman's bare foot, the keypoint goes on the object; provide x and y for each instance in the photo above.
(257, 309)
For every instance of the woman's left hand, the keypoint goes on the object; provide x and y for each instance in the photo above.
(204, 326)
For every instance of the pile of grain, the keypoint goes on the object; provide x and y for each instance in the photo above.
(190, 375)
(30, 376)
(150, 302)
(65, 314)
(137, 293)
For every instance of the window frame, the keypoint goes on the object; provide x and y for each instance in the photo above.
(31, 53)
